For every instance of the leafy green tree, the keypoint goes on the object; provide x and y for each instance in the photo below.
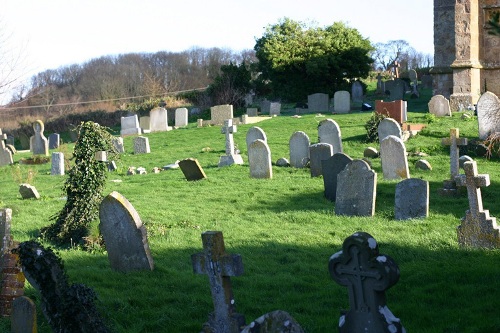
(494, 24)
(231, 86)
(296, 60)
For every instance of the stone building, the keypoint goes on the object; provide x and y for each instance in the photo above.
(466, 57)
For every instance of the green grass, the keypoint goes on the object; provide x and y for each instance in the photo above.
(284, 229)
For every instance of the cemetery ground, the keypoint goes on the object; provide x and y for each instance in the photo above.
(284, 229)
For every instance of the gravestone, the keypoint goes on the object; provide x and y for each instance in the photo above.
(274, 322)
(342, 102)
(331, 168)
(439, 106)
(181, 117)
(54, 140)
(57, 165)
(329, 132)
(5, 154)
(477, 228)
(192, 169)
(396, 110)
(393, 158)
(145, 124)
(28, 191)
(370, 152)
(317, 153)
(274, 109)
(454, 141)
(388, 126)
(380, 84)
(411, 199)
(367, 274)
(488, 114)
(356, 190)
(259, 159)
(299, 149)
(124, 235)
(462, 159)
(23, 316)
(282, 162)
(357, 92)
(141, 145)
(426, 81)
(423, 165)
(221, 113)
(118, 144)
(231, 157)
(219, 266)
(252, 112)
(38, 142)
(129, 126)
(396, 89)
(318, 102)
(412, 74)
(255, 133)
(159, 120)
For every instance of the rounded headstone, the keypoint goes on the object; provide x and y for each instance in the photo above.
(423, 165)
(370, 152)
(282, 162)
(462, 159)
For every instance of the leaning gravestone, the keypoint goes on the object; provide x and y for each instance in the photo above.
(356, 190)
(57, 166)
(219, 266)
(317, 153)
(388, 126)
(488, 114)
(331, 168)
(5, 154)
(141, 145)
(38, 142)
(23, 317)
(439, 106)
(259, 160)
(357, 92)
(220, 113)
(274, 322)
(299, 149)
(393, 158)
(28, 191)
(478, 228)
(329, 132)
(318, 102)
(54, 141)
(411, 199)
(118, 144)
(191, 169)
(255, 133)
(342, 102)
(124, 235)
(158, 119)
(181, 117)
(130, 126)
(367, 274)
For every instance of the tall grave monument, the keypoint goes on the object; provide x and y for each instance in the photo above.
(231, 157)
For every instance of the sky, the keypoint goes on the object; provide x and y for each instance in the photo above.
(48, 34)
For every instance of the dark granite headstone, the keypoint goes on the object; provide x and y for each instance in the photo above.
(23, 317)
(317, 153)
(28, 191)
(331, 168)
(192, 169)
(411, 199)
(356, 190)
(54, 141)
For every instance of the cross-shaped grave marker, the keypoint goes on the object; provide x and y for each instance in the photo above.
(231, 156)
(5, 154)
(395, 66)
(477, 229)
(454, 141)
(367, 274)
(219, 267)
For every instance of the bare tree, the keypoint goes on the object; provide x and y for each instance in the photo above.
(12, 62)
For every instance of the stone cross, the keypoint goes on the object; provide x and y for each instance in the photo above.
(367, 274)
(395, 66)
(454, 141)
(473, 182)
(228, 129)
(219, 266)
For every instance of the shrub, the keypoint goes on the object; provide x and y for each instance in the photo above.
(371, 127)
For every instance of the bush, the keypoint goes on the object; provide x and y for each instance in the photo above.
(371, 127)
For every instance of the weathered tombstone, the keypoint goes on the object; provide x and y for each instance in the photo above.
(380, 84)
(318, 102)
(299, 149)
(231, 157)
(274, 322)
(124, 235)
(181, 117)
(192, 169)
(393, 158)
(265, 106)
(439, 106)
(141, 145)
(356, 190)
(367, 274)
(370, 152)
(252, 112)
(129, 126)
(221, 113)
(259, 159)
(357, 92)
(118, 144)
(329, 132)
(462, 159)
(39, 143)
(28, 191)
(219, 267)
(342, 102)
(23, 316)
(54, 140)
(331, 168)
(282, 162)
(477, 228)
(412, 74)
(423, 165)
(255, 133)
(488, 114)
(396, 110)
(454, 141)
(57, 165)
(317, 153)
(396, 89)
(5, 154)
(275, 109)
(388, 126)
(411, 199)
(159, 120)
(145, 124)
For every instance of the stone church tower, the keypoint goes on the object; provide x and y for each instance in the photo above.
(466, 57)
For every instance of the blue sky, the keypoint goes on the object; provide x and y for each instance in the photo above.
(54, 33)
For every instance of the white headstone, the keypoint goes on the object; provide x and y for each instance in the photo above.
(299, 149)
(158, 118)
(439, 106)
(255, 133)
(130, 126)
(329, 132)
(259, 159)
(488, 114)
(342, 102)
(57, 167)
(317, 153)
(388, 126)
(393, 158)
(181, 117)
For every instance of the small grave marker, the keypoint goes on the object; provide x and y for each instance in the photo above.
(454, 141)
(411, 199)
(57, 164)
(192, 169)
(231, 156)
(299, 149)
(317, 153)
(181, 117)
(342, 102)
(141, 145)
(329, 132)
(393, 158)
(28, 191)
(54, 140)
(255, 133)
(23, 317)
(259, 160)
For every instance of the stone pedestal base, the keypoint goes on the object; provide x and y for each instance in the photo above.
(226, 160)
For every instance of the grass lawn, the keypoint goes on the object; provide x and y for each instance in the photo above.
(284, 229)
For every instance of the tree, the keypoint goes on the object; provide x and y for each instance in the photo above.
(11, 63)
(296, 60)
(385, 54)
(231, 86)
